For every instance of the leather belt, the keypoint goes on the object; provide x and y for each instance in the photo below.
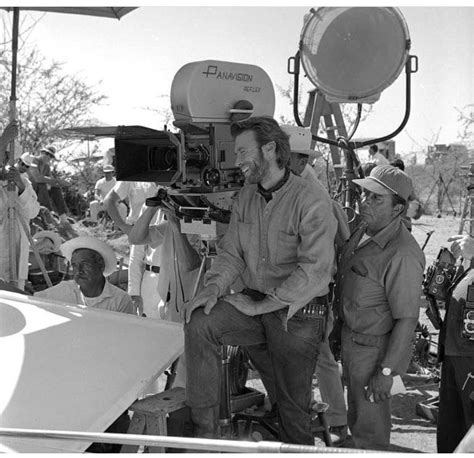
(154, 269)
(317, 307)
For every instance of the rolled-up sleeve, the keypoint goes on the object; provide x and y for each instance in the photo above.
(404, 278)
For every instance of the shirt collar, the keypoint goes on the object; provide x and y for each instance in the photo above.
(382, 237)
(106, 292)
(267, 193)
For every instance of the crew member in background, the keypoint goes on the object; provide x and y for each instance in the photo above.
(101, 189)
(48, 188)
(376, 157)
(327, 368)
(377, 297)
(280, 241)
(26, 207)
(414, 209)
(456, 392)
(170, 280)
(136, 192)
(92, 260)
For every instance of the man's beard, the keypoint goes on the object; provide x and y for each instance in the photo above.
(258, 170)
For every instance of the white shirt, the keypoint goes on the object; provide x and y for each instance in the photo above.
(102, 187)
(137, 192)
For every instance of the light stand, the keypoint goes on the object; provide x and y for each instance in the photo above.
(334, 51)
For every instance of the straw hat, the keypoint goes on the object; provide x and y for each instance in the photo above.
(47, 241)
(91, 243)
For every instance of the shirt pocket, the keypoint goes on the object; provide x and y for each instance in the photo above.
(286, 249)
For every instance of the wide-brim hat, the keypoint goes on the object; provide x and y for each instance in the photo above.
(27, 159)
(300, 140)
(108, 168)
(39, 239)
(50, 150)
(386, 179)
(91, 243)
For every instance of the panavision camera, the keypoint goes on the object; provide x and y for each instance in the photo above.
(197, 163)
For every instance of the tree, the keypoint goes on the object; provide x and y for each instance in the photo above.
(49, 99)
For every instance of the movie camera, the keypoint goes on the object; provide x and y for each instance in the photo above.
(196, 163)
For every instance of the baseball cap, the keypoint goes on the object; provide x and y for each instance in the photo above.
(386, 179)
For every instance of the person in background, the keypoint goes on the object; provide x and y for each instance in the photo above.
(92, 260)
(280, 242)
(376, 157)
(48, 188)
(101, 189)
(413, 209)
(170, 279)
(376, 304)
(26, 207)
(136, 192)
(456, 391)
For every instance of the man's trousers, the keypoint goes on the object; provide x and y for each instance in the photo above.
(369, 422)
(456, 412)
(293, 355)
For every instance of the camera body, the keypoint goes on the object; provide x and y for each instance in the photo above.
(440, 275)
(206, 97)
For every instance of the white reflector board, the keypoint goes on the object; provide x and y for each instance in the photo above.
(66, 367)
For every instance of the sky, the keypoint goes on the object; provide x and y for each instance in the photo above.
(133, 61)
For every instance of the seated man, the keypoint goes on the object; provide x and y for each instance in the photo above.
(101, 189)
(92, 260)
(280, 241)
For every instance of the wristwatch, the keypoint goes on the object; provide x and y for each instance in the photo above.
(386, 371)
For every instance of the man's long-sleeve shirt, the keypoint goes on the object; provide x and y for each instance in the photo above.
(283, 248)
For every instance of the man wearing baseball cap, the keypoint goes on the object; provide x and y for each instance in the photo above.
(377, 296)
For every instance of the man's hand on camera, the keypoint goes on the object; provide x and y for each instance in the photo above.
(207, 298)
(463, 245)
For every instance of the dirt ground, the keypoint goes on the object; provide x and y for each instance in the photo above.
(410, 432)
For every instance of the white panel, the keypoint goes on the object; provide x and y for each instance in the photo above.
(67, 367)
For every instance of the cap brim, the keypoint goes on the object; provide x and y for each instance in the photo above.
(372, 186)
(308, 152)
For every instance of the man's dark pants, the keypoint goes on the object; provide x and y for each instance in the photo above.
(293, 354)
(455, 408)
